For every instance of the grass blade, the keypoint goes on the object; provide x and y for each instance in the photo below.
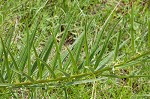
(104, 46)
(86, 46)
(149, 30)
(24, 54)
(1, 51)
(15, 64)
(103, 63)
(132, 29)
(102, 31)
(73, 60)
(58, 51)
(117, 45)
(28, 53)
(66, 31)
(38, 63)
(85, 81)
(45, 53)
(24, 74)
(6, 61)
(48, 67)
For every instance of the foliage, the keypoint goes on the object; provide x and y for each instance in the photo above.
(74, 49)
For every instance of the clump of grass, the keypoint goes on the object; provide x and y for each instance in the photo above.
(52, 49)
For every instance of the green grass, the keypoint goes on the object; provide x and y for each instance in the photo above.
(75, 49)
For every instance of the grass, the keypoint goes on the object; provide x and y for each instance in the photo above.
(74, 49)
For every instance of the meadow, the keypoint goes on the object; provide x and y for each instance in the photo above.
(74, 49)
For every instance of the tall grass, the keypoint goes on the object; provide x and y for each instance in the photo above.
(74, 49)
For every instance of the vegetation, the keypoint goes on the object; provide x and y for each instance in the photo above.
(76, 49)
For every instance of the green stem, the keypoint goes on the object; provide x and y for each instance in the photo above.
(82, 75)
(132, 29)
